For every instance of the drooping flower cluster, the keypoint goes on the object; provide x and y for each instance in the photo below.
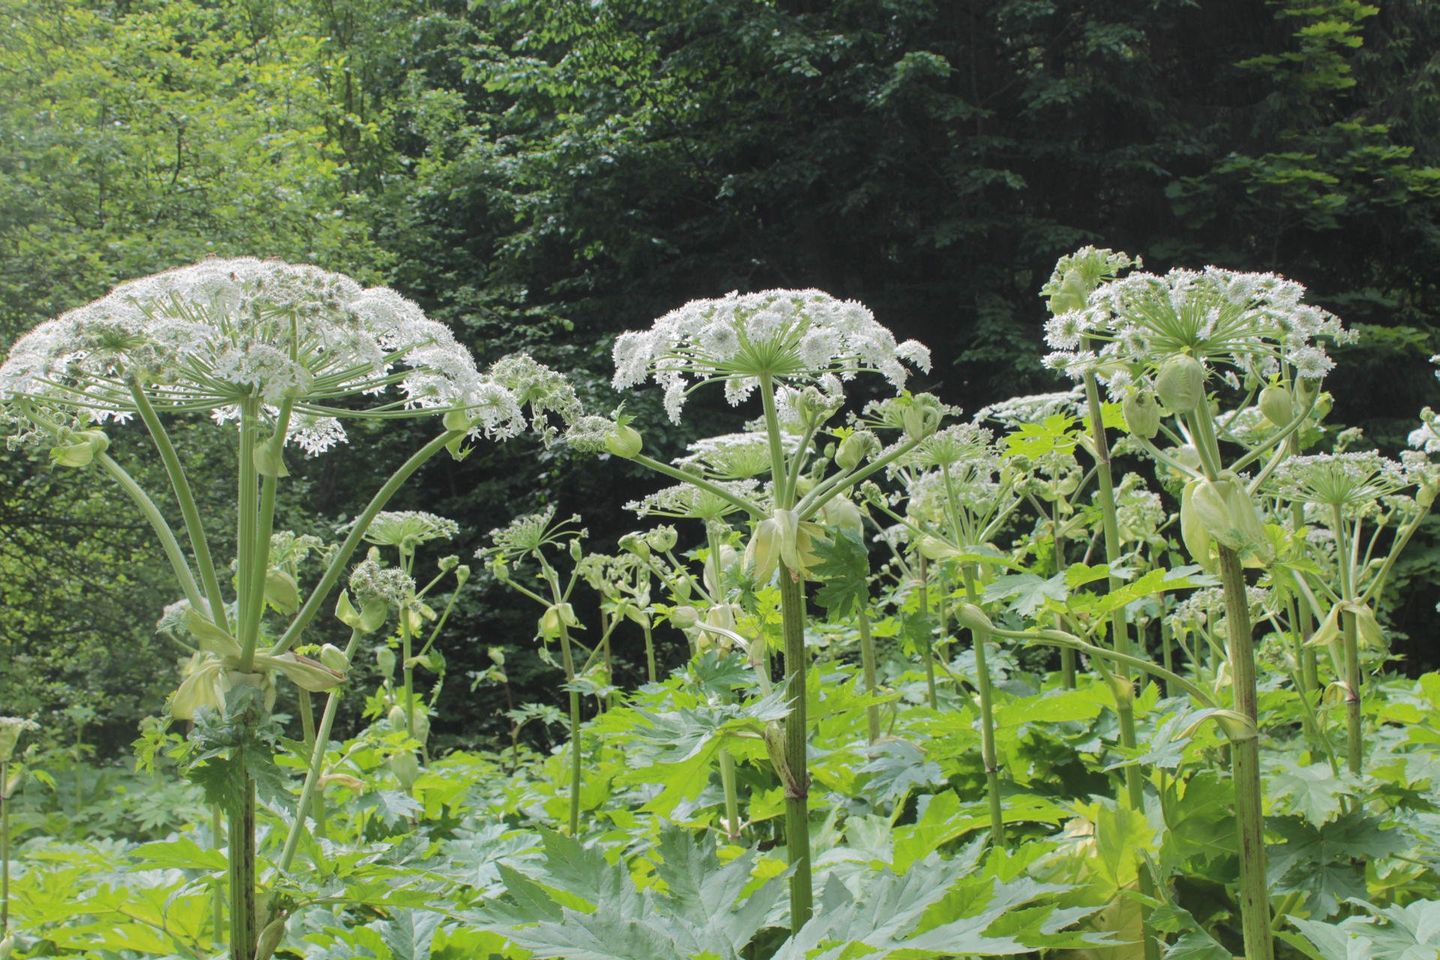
(1349, 481)
(733, 456)
(529, 533)
(11, 729)
(207, 337)
(407, 529)
(790, 336)
(1240, 323)
(684, 501)
(1033, 408)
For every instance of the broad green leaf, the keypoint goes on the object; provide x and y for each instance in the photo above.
(409, 933)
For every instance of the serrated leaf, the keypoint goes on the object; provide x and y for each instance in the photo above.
(410, 933)
(1313, 791)
(896, 768)
(1327, 863)
(843, 569)
(1027, 592)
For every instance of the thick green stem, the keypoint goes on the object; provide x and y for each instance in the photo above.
(867, 660)
(1067, 656)
(194, 529)
(252, 604)
(1345, 540)
(732, 798)
(797, 792)
(1245, 765)
(217, 831)
(5, 849)
(1354, 732)
(247, 504)
(980, 639)
(927, 652)
(308, 792)
(568, 659)
(649, 650)
(1119, 636)
(242, 873)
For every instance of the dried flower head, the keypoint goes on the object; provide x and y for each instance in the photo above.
(795, 337)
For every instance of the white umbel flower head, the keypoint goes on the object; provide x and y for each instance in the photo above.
(1125, 329)
(795, 337)
(209, 337)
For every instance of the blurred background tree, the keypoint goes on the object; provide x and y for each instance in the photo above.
(542, 174)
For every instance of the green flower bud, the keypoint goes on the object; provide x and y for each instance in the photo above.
(1181, 383)
(842, 514)
(635, 543)
(856, 449)
(662, 538)
(556, 617)
(462, 574)
(1192, 530)
(385, 661)
(1276, 405)
(82, 449)
(281, 591)
(972, 618)
(1142, 414)
(456, 421)
(762, 553)
(933, 548)
(624, 441)
(269, 461)
(684, 616)
(1370, 635)
(921, 416)
(406, 767)
(334, 658)
(269, 939)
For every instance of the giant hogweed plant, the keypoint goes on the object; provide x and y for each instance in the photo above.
(796, 350)
(280, 356)
(1163, 346)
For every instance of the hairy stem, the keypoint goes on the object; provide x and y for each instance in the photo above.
(1245, 765)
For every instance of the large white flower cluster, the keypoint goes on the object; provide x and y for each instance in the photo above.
(1248, 323)
(791, 336)
(1354, 479)
(206, 337)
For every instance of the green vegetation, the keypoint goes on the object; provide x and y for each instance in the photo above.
(1141, 668)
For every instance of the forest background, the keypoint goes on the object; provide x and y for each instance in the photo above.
(542, 174)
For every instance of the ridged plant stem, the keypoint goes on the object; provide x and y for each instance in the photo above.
(980, 638)
(867, 660)
(797, 793)
(1120, 639)
(1245, 764)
